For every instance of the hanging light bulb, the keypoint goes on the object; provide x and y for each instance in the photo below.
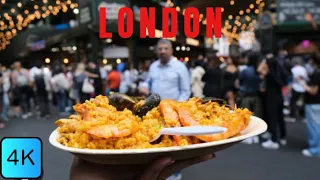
(232, 2)
(257, 11)
(66, 60)
(36, 7)
(58, 2)
(230, 17)
(19, 4)
(241, 12)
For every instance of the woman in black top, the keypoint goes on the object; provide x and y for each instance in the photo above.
(312, 109)
(275, 79)
(213, 79)
(230, 75)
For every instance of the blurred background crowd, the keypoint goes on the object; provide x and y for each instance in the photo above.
(51, 58)
(271, 86)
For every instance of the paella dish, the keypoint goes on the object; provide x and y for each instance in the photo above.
(123, 122)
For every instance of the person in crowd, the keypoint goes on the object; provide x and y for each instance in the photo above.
(143, 72)
(93, 72)
(169, 78)
(41, 81)
(213, 79)
(275, 79)
(159, 169)
(243, 61)
(114, 79)
(129, 80)
(299, 73)
(61, 85)
(79, 75)
(4, 92)
(249, 90)
(21, 80)
(312, 109)
(230, 76)
(197, 84)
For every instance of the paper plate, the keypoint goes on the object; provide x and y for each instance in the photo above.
(142, 156)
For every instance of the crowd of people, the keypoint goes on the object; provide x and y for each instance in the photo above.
(251, 81)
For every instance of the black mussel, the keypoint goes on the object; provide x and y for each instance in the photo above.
(121, 101)
(212, 99)
(142, 107)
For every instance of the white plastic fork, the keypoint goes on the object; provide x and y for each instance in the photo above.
(190, 131)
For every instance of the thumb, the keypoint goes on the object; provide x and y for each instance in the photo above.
(155, 168)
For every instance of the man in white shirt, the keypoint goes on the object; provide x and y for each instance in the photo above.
(299, 72)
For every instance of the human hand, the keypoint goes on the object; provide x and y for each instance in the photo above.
(157, 170)
(143, 91)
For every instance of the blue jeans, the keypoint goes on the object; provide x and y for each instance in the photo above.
(5, 106)
(62, 100)
(312, 112)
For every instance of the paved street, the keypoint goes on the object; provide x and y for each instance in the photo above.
(241, 162)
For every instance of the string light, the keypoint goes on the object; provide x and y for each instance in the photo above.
(222, 9)
(241, 12)
(44, 8)
(251, 6)
(35, 7)
(230, 17)
(3, 1)
(178, 8)
(45, 1)
(237, 17)
(248, 11)
(257, 11)
(19, 4)
(26, 12)
(47, 60)
(232, 2)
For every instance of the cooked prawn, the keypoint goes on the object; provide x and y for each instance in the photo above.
(109, 131)
(171, 118)
(234, 125)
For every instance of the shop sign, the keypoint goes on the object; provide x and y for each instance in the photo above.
(298, 10)
(112, 9)
(85, 15)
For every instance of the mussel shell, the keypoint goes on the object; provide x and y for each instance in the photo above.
(151, 102)
(213, 99)
(121, 101)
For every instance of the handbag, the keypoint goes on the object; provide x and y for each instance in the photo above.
(87, 87)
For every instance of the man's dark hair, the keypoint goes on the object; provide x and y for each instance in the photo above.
(114, 67)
